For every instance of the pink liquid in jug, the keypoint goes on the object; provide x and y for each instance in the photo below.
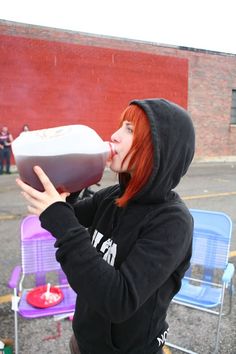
(68, 173)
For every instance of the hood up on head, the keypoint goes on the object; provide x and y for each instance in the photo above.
(174, 144)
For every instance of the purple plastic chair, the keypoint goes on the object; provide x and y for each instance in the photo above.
(38, 267)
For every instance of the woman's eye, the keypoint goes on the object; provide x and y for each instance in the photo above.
(129, 129)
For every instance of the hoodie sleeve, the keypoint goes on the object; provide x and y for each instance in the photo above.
(119, 292)
(85, 209)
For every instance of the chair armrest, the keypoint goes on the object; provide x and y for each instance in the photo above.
(15, 276)
(228, 274)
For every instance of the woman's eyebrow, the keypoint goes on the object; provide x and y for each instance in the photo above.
(128, 123)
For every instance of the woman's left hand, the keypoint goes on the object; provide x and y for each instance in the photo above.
(39, 201)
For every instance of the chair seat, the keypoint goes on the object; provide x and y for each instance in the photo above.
(66, 305)
(203, 295)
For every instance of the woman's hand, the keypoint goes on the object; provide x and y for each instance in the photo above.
(39, 201)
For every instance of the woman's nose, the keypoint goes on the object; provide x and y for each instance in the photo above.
(115, 137)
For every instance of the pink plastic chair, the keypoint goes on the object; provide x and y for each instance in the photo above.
(38, 267)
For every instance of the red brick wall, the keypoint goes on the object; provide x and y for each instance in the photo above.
(70, 77)
(47, 83)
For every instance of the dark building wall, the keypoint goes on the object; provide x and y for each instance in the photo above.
(55, 77)
(211, 80)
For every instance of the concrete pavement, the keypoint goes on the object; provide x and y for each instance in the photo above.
(210, 186)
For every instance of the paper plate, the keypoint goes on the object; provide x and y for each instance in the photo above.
(38, 297)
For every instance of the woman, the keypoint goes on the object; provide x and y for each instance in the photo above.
(126, 249)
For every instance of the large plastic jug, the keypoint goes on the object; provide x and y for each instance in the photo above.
(73, 156)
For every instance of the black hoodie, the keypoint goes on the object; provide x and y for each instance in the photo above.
(126, 277)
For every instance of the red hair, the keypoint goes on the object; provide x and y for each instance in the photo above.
(141, 154)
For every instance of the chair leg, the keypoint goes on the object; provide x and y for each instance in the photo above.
(182, 349)
(231, 290)
(15, 308)
(16, 333)
(219, 321)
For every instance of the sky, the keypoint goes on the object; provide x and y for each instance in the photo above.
(202, 24)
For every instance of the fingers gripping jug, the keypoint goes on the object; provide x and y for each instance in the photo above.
(73, 156)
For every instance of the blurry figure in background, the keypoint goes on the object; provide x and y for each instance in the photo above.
(25, 128)
(5, 149)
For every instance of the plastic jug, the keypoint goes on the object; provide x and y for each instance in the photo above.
(73, 156)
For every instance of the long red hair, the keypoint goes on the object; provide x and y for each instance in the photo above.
(141, 153)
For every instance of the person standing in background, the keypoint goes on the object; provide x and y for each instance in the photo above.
(25, 128)
(5, 149)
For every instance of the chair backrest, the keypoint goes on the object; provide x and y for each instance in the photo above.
(38, 251)
(211, 241)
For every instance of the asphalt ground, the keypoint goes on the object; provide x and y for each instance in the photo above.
(209, 186)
